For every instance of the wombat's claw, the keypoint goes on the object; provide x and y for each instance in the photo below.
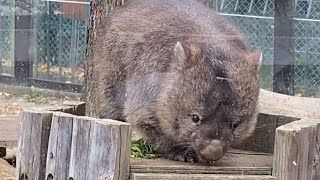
(186, 157)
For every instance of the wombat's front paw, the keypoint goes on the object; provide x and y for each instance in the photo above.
(183, 154)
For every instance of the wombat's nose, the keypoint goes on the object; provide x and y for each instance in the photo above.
(212, 150)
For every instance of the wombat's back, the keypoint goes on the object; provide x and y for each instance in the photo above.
(134, 48)
(143, 32)
(178, 71)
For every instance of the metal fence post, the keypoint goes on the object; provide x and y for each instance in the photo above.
(284, 47)
(22, 45)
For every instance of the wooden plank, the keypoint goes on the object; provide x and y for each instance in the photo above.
(156, 176)
(32, 144)
(235, 162)
(88, 148)
(58, 154)
(297, 151)
(291, 106)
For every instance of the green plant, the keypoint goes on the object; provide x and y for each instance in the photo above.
(141, 149)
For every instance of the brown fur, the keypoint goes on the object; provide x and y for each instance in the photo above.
(159, 62)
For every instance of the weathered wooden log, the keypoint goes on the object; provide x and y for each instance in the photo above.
(297, 150)
(32, 144)
(86, 148)
(57, 145)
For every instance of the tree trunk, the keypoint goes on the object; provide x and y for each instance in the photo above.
(98, 10)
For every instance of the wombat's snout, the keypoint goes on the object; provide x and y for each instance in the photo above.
(211, 150)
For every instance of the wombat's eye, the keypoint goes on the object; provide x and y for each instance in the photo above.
(195, 118)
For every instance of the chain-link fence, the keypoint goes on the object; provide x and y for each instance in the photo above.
(256, 19)
(307, 48)
(59, 40)
(6, 38)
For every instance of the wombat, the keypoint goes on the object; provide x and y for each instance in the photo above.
(184, 75)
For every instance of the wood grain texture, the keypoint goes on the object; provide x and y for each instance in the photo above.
(88, 148)
(156, 176)
(296, 155)
(235, 162)
(32, 144)
(59, 146)
(285, 105)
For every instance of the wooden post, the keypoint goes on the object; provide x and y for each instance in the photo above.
(57, 145)
(284, 47)
(99, 9)
(297, 150)
(32, 145)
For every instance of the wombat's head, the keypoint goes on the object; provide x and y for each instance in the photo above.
(209, 99)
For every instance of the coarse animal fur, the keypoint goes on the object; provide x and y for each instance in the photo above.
(184, 75)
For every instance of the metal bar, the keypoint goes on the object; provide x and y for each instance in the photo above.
(34, 41)
(309, 8)
(73, 44)
(306, 65)
(222, 4)
(48, 40)
(284, 47)
(265, 7)
(65, 1)
(56, 85)
(7, 79)
(77, 29)
(87, 12)
(22, 40)
(60, 36)
(236, 6)
(1, 40)
(250, 7)
(265, 17)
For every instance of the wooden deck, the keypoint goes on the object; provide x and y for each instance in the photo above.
(236, 164)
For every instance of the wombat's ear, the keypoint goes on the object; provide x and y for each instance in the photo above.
(256, 59)
(186, 54)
